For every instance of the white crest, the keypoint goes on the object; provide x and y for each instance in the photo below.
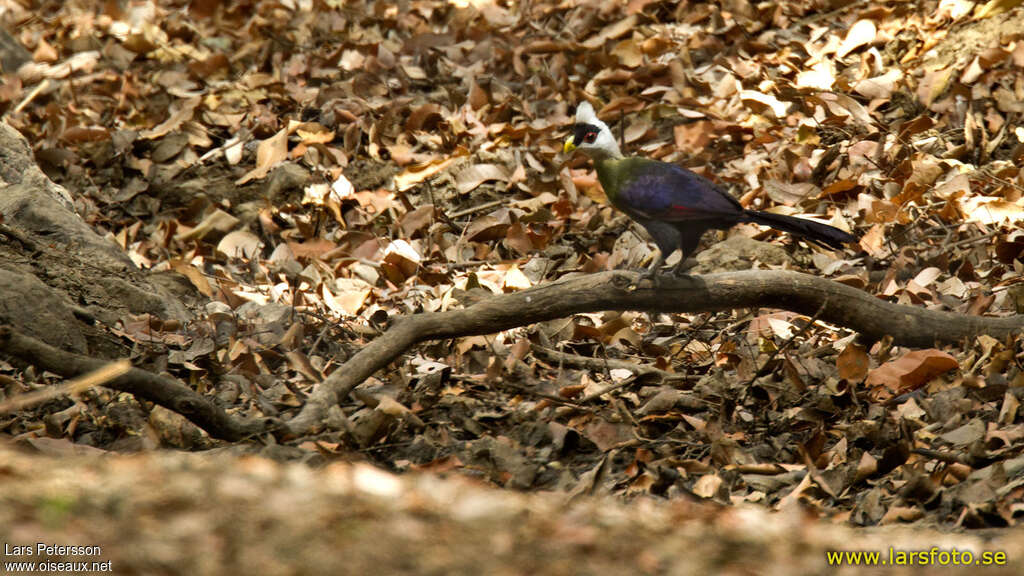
(585, 113)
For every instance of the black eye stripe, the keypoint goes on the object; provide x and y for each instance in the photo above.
(584, 133)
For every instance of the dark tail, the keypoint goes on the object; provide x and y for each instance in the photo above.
(821, 234)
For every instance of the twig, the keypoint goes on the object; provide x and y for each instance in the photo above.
(604, 363)
(76, 386)
(39, 89)
(966, 241)
(477, 208)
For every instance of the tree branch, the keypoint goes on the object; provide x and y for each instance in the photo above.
(829, 301)
(166, 392)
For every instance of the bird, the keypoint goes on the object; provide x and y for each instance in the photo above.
(674, 205)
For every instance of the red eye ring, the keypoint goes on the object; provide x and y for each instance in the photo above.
(589, 137)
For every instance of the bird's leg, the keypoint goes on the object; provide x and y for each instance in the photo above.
(666, 237)
(687, 245)
(677, 270)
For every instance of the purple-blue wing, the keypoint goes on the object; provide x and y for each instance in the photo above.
(662, 191)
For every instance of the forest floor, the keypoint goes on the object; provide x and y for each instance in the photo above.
(309, 172)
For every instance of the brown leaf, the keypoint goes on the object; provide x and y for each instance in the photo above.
(790, 193)
(853, 363)
(268, 154)
(80, 134)
(350, 297)
(873, 240)
(621, 105)
(413, 175)
(239, 244)
(842, 105)
(313, 248)
(821, 76)
(214, 65)
(299, 362)
(629, 53)
(517, 239)
(933, 85)
(909, 372)
(862, 32)
(981, 209)
(925, 171)
(515, 280)
(183, 112)
(425, 117)
(994, 7)
(44, 52)
(707, 486)
(879, 86)
(611, 32)
(217, 221)
(966, 434)
(867, 466)
(314, 133)
(475, 175)
(759, 102)
(417, 220)
(606, 435)
(490, 227)
(693, 137)
(194, 275)
(403, 256)
(898, 514)
(478, 97)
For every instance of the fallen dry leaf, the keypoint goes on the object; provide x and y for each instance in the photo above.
(853, 363)
(268, 154)
(472, 177)
(909, 372)
(862, 32)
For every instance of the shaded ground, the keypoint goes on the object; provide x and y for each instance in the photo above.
(253, 515)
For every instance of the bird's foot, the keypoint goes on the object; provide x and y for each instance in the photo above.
(681, 267)
(649, 276)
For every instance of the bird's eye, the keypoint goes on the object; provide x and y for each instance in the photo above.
(589, 137)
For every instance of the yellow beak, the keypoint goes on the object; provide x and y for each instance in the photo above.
(569, 145)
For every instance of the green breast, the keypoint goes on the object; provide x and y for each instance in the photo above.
(615, 174)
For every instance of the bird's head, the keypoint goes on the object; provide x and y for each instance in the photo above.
(591, 135)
